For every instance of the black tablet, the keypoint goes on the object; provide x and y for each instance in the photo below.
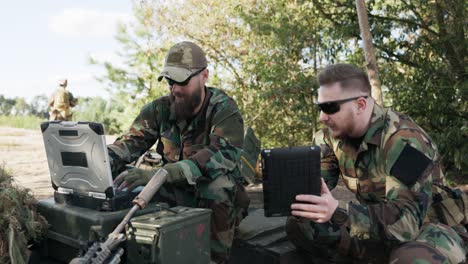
(288, 172)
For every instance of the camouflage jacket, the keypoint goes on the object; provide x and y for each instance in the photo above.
(207, 149)
(391, 173)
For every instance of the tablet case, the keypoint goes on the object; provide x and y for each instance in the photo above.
(286, 173)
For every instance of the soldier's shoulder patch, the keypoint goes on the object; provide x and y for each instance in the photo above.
(410, 165)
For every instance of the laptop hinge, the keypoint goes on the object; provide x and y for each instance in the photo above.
(97, 195)
(64, 190)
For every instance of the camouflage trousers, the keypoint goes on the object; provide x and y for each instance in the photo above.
(62, 115)
(225, 216)
(320, 243)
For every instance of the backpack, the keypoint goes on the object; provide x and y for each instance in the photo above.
(61, 99)
(449, 206)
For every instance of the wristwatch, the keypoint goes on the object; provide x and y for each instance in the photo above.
(339, 217)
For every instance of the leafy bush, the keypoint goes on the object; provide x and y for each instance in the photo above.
(116, 114)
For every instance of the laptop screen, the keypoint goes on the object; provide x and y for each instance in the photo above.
(286, 173)
(77, 157)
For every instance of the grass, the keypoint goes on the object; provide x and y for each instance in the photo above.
(28, 122)
(9, 145)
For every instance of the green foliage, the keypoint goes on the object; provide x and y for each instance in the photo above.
(421, 50)
(19, 106)
(6, 104)
(134, 82)
(287, 43)
(252, 63)
(116, 114)
(39, 106)
(20, 224)
(426, 74)
(96, 109)
(267, 53)
(26, 121)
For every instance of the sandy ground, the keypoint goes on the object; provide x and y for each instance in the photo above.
(22, 153)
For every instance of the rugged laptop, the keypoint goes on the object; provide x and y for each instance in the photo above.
(286, 173)
(79, 165)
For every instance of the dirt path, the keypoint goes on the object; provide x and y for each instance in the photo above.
(22, 153)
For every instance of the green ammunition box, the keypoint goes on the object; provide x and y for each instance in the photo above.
(72, 228)
(175, 235)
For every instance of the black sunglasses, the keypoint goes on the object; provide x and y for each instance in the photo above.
(333, 107)
(183, 83)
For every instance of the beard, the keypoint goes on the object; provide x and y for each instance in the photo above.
(342, 129)
(183, 105)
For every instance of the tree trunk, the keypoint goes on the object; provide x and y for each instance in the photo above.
(369, 51)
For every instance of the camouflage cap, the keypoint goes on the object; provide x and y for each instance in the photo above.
(182, 60)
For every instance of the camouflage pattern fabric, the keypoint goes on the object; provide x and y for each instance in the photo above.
(391, 172)
(249, 157)
(436, 243)
(20, 224)
(207, 149)
(60, 103)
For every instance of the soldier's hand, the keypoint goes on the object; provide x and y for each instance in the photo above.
(174, 173)
(319, 209)
(133, 178)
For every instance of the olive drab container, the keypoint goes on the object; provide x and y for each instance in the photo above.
(73, 228)
(175, 235)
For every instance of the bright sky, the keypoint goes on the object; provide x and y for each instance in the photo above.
(44, 41)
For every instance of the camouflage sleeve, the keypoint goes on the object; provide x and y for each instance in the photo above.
(72, 100)
(330, 170)
(141, 135)
(222, 154)
(409, 166)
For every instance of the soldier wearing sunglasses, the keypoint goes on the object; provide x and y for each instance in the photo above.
(390, 164)
(199, 133)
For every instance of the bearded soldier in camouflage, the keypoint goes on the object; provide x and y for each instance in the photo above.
(199, 134)
(390, 164)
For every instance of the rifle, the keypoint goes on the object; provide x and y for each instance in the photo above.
(107, 252)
